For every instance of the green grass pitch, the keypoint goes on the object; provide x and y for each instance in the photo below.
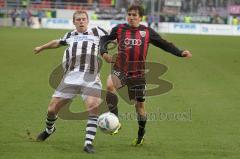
(206, 89)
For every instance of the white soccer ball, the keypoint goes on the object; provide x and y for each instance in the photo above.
(108, 122)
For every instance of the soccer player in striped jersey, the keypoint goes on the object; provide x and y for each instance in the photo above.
(133, 40)
(81, 75)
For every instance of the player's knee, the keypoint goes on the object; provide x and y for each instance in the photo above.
(140, 99)
(51, 111)
(110, 86)
(93, 108)
(92, 103)
(52, 108)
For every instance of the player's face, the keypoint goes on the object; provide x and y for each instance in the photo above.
(81, 22)
(133, 18)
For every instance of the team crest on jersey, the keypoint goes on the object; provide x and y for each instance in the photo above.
(142, 33)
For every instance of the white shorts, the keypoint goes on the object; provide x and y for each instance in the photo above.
(79, 83)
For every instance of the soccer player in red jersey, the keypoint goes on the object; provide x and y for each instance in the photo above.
(133, 41)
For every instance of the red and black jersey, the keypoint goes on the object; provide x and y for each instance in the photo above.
(133, 43)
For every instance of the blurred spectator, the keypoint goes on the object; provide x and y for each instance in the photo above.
(235, 20)
(29, 18)
(150, 20)
(187, 19)
(113, 3)
(40, 15)
(94, 16)
(25, 3)
(48, 14)
(156, 21)
(217, 20)
(23, 16)
(14, 15)
(144, 18)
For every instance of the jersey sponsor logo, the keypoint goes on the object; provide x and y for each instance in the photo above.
(84, 38)
(132, 42)
(142, 33)
(116, 73)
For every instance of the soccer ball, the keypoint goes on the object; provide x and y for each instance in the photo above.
(108, 122)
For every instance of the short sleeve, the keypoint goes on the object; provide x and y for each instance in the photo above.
(63, 40)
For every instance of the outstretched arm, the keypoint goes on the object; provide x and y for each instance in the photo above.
(157, 41)
(50, 45)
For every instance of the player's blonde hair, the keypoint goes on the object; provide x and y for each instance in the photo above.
(79, 12)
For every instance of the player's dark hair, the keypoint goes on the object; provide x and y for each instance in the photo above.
(138, 8)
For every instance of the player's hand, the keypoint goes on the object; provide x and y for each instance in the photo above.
(107, 58)
(37, 50)
(187, 54)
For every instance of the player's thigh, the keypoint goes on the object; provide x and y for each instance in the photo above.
(91, 95)
(136, 89)
(92, 104)
(113, 83)
(57, 103)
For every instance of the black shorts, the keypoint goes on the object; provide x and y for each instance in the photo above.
(136, 86)
(136, 89)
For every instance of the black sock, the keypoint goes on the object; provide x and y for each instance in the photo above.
(112, 101)
(50, 123)
(141, 123)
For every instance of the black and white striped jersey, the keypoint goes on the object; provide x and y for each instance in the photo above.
(83, 50)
